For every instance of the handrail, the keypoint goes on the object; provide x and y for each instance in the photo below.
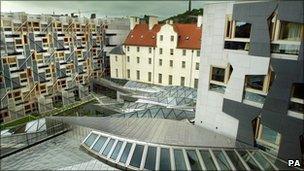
(21, 25)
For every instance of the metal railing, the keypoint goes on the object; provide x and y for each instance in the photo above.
(13, 143)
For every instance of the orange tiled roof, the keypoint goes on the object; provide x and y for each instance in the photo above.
(189, 35)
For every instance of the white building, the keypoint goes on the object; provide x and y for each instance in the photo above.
(163, 54)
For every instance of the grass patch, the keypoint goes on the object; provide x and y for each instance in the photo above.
(17, 122)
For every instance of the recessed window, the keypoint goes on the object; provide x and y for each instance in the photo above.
(160, 78)
(160, 62)
(116, 71)
(296, 103)
(138, 75)
(184, 52)
(171, 51)
(128, 73)
(182, 81)
(150, 60)
(242, 30)
(161, 37)
(138, 60)
(150, 50)
(137, 49)
(128, 58)
(160, 50)
(149, 76)
(171, 63)
(116, 58)
(291, 31)
(269, 135)
(195, 83)
(218, 74)
(198, 53)
(254, 81)
(183, 64)
(170, 80)
(172, 38)
(197, 66)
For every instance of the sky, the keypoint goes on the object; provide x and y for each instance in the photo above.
(162, 9)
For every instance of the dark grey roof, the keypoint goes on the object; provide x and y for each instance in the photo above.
(117, 50)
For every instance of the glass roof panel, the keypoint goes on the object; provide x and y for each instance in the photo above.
(235, 160)
(151, 158)
(165, 162)
(108, 147)
(180, 163)
(89, 141)
(281, 165)
(264, 163)
(137, 155)
(221, 159)
(99, 143)
(251, 163)
(193, 160)
(209, 163)
(116, 150)
(125, 153)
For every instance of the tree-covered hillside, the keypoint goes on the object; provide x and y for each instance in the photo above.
(186, 17)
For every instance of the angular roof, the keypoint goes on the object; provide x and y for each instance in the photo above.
(189, 35)
(117, 50)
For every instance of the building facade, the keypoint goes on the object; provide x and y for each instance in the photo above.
(162, 54)
(251, 74)
(50, 58)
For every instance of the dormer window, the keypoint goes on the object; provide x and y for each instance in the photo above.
(141, 36)
(187, 38)
(153, 37)
(132, 36)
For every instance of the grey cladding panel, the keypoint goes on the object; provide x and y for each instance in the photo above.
(296, 7)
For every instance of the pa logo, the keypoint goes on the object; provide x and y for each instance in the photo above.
(294, 163)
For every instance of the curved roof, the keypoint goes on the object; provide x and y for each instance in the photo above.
(189, 35)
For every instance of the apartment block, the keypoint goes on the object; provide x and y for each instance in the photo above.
(162, 54)
(251, 74)
(46, 59)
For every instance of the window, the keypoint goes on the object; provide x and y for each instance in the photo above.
(160, 78)
(218, 74)
(184, 52)
(116, 58)
(229, 24)
(297, 98)
(128, 58)
(171, 51)
(170, 80)
(137, 49)
(125, 153)
(150, 50)
(172, 38)
(165, 162)
(149, 76)
(137, 155)
(150, 60)
(116, 71)
(171, 63)
(291, 31)
(161, 37)
(117, 148)
(183, 64)
(242, 30)
(197, 66)
(151, 158)
(160, 50)
(108, 147)
(138, 60)
(182, 82)
(269, 135)
(195, 83)
(160, 62)
(89, 141)
(193, 160)
(128, 48)
(254, 81)
(180, 163)
(138, 75)
(128, 73)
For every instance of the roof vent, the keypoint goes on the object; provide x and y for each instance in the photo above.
(131, 35)
(187, 38)
(153, 37)
(141, 36)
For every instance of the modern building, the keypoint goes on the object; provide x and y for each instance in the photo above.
(251, 74)
(162, 54)
(47, 59)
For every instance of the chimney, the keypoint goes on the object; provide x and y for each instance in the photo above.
(152, 21)
(199, 22)
(171, 22)
(93, 16)
(133, 22)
